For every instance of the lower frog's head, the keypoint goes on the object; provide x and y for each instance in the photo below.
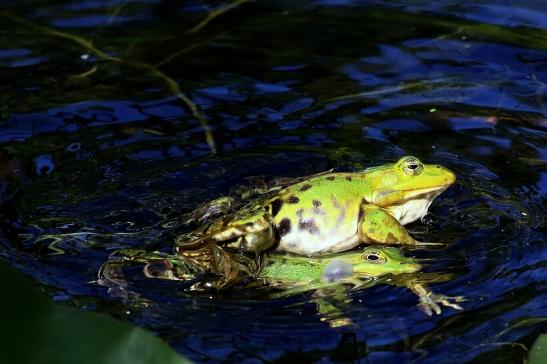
(407, 187)
(373, 261)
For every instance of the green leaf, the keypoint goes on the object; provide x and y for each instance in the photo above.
(37, 330)
(538, 354)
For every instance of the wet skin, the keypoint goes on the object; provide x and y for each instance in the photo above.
(324, 214)
(328, 276)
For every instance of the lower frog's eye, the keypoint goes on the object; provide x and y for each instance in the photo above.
(412, 166)
(373, 257)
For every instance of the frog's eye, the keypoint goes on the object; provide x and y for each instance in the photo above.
(374, 256)
(412, 166)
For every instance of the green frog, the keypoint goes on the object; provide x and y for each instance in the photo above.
(323, 214)
(328, 276)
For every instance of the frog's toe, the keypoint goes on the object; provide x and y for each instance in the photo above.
(445, 301)
(427, 244)
(455, 306)
(159, 268)
(429, 304)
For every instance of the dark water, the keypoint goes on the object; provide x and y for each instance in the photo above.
(97, 152)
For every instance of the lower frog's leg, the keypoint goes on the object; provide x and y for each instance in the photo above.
(429, 301)
(378, 226)
(156, 265)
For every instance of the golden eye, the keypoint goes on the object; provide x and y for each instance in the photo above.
(373, 256)
(412, 166)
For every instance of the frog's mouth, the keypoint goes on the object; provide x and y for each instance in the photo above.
(427, 193)
(411, 266)
(416, 204)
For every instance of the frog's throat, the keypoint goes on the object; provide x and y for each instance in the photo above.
(416, 204)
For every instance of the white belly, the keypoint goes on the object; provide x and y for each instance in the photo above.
(325, 241)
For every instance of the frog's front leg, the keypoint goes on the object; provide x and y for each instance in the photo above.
(378, 226)
(429, 301)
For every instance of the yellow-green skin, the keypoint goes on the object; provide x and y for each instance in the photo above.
(295, 274)
(333, 212)
(370, 263)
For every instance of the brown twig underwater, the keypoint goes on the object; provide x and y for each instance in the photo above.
(216, 13)
(144, 67)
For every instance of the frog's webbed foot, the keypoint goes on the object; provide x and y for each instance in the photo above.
(210, 210)
(429, 303)
(218, 247)
(111, 273)
(156, 265)
(171, 268)
(227, 268)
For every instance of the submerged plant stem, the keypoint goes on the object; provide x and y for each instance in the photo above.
(216, 13)
(144, 67)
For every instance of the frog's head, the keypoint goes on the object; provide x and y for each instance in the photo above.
(371, 262)
(407, 187)
(377, 261)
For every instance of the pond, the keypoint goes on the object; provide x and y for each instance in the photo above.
(119, 115)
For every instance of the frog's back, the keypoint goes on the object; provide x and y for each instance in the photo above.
(319, 215)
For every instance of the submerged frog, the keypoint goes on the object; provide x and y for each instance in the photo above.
(357, 268)
(296, 274)
(327, 213)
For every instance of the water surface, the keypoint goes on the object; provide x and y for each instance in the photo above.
(98, 152)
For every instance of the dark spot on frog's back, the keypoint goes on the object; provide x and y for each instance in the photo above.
(306, 187)
(331, 178)
(316, 203)
(293, 199)
(276, 206)
(349, 178)
(284, 227)
(309, 226)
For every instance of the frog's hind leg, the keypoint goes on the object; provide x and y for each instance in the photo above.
(378, 226)
(207, 212)
(226, 267)
(251, 231)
